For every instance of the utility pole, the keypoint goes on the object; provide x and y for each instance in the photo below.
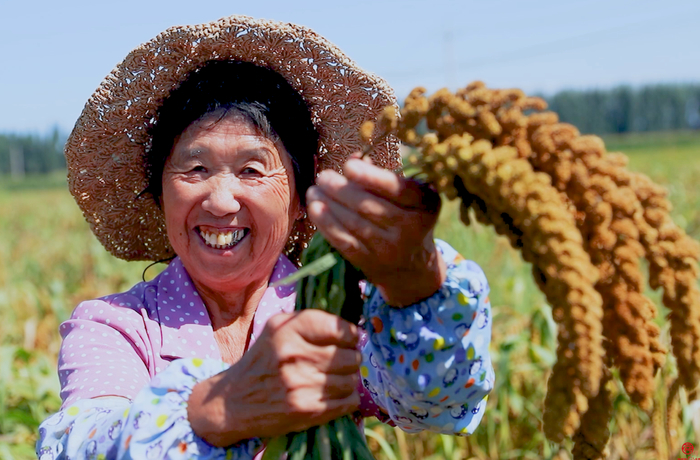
(16, 161)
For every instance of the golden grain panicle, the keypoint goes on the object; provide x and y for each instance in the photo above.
(584, 222)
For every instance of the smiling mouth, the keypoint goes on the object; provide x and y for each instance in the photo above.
(222, 239)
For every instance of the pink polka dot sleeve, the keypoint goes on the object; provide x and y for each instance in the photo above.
(104, 352)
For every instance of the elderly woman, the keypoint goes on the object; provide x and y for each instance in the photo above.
(215, 148)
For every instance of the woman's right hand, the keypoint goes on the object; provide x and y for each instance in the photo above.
(301, 372)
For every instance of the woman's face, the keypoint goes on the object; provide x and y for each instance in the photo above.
(229, 201)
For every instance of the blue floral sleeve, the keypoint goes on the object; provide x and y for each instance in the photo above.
(427, 365)
(153, 426)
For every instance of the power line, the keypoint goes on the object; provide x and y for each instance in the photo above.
(559, 45)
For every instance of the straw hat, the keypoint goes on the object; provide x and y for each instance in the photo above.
(105, 152)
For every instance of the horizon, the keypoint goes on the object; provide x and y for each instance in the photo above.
(63, 134)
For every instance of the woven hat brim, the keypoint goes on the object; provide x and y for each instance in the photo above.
(105, 152)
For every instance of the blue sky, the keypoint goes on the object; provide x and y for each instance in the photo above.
(54, 54)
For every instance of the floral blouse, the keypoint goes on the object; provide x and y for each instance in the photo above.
(425, 366)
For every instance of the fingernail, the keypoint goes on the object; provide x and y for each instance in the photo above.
(314, 207)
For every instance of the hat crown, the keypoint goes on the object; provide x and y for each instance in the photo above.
(105, 152)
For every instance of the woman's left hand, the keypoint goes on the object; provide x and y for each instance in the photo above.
(383, 225)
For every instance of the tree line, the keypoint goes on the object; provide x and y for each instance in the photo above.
(23, 154)
(625, 109)
(618, 110)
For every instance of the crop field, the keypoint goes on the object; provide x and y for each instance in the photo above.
(49, 261)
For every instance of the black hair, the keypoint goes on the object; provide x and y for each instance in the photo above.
(259, 94)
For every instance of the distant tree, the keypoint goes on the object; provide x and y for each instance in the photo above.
(36, 154)
(619, 109)
(624, 109)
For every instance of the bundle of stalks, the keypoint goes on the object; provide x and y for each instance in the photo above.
(584, 222)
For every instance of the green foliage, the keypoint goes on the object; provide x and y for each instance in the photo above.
(53, 180)
(672, 160)
(51, 262)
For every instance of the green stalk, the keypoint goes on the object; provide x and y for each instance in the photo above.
(327, 282)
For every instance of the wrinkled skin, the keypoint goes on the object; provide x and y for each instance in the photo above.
(223, 175)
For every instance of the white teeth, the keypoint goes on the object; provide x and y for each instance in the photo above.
(221, 239)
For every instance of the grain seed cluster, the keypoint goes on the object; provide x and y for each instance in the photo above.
(584, 222)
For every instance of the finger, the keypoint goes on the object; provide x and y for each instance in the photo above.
(321, 328)
(363, 176)
(277, 322)
(345, 396)
(369, 232)
(304, 374)
(338, 361)
(333, 186)
(406, 193)
(343, 406)
(340, 386)
(332, 229)
(359, 225)
(327, 359)
(381, 181)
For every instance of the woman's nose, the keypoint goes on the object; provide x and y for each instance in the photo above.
(222, 197)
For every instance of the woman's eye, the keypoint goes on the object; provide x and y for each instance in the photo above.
(250, 170)
(198, 168)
